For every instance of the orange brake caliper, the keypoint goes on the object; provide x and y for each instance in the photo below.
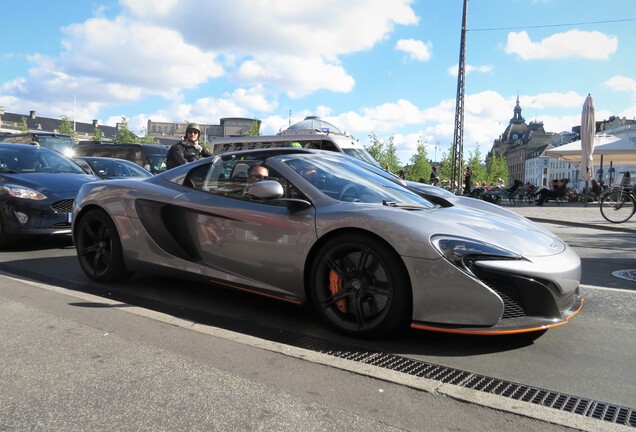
(335, 286)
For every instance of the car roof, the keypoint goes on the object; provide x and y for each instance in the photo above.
(23, 145)
(104, 158)
(114, 144)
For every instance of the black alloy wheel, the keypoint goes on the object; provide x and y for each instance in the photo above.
(360, 286)
(98, 247)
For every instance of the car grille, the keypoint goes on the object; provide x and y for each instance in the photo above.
(524, 297)
(64, 206)
(513, 305)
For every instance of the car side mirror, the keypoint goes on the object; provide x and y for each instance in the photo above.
(271, 190)
(266, 190)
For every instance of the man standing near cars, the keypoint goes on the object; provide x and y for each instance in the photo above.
(188, 149)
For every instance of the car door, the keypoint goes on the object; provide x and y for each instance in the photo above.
(254, 244)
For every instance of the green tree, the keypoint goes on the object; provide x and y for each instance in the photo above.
(391, 157)
(475, 163)
(384, 153)
(254, 129)
(420, 166)
(376, 149)
(125, 135)
(497, 166)
(98, 135)
(23, 125)
(66, 127)
(445, 169)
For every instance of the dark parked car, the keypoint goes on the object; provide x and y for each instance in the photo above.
(321, 228)
(111, 168)
(151, 157)
(59, 142)
(37, 190)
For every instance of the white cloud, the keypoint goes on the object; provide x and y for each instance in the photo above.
(126, 58)
(323, 28)
(166, 47)
(552, 100)
(296, 76)
(621, 83)
(571, 44)
(415, 49)
(453, 70)
(272, 41)
(240, 103)
(253, 99)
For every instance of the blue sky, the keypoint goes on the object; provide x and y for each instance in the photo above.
(387, 67)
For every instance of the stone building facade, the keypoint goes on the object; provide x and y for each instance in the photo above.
(162, 132)
(519, 141)
(12, 122)
(168, 132)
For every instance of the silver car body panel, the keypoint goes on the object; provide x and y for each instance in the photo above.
(265, 248)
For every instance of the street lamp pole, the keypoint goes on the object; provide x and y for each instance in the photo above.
(436, 145)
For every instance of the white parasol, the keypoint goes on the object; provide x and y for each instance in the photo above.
(588, 129)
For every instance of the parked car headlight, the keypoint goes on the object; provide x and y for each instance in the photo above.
(24, 193)
(463, 252)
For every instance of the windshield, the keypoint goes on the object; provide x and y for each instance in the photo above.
(157, 162)
(345, 180)
(33, 159)
(62, 145)
(116, 168)
(361, 154)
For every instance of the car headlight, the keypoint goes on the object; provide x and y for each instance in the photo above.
(464, 252)
(22, 192)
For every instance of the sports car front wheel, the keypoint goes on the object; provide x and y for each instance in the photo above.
(360, 286)
(99, 248)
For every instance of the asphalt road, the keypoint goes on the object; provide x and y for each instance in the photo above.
(591, 357)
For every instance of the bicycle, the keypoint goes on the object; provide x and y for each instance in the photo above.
(619, 204)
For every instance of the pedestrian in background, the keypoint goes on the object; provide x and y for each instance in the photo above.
(468, 179)
(434, 177)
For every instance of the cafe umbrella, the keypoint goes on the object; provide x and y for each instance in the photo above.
(588, 129)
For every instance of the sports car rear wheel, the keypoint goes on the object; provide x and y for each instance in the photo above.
(99, 248)
(360, 286)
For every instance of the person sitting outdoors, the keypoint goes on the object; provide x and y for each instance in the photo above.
(515, 186)
(594, 191)
(558, 191)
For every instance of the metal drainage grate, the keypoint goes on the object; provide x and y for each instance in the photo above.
(604, 411)
(629, 275)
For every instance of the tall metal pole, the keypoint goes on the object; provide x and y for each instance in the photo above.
(458, 139)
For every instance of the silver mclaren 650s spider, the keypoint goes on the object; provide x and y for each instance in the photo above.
(371, 255)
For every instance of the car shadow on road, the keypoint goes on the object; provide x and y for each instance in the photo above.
(249, 314)
(40, 243)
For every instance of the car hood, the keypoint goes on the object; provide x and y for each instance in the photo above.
(49, 182)
(516, 234)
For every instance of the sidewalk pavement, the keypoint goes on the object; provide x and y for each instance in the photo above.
(567, 213)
